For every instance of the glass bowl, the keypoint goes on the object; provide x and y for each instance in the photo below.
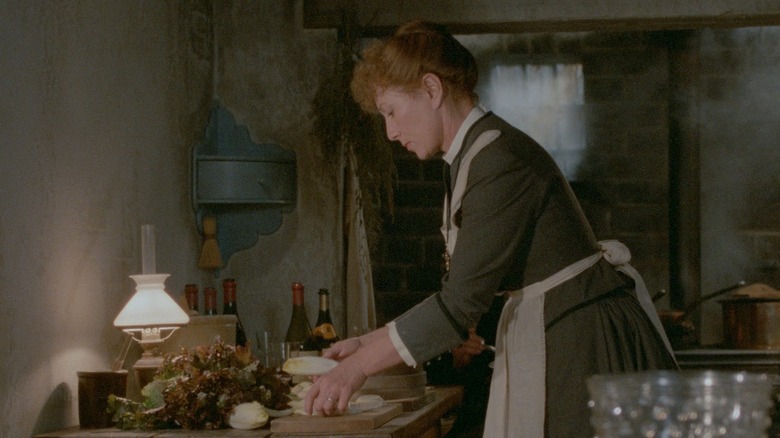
(680, 404)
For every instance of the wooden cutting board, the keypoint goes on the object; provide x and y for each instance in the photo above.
(414, 403)
(395, 386)
(343, 423)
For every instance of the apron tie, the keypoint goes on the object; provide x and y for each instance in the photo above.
(618, 255)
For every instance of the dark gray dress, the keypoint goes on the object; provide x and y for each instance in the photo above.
(520, 223)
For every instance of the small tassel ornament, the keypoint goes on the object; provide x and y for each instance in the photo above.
(210, 257)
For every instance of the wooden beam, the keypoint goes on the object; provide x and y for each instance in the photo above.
(379, 17)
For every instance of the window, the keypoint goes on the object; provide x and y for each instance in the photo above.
(545, 100)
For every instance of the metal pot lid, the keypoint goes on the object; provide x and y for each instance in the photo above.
(754, 293)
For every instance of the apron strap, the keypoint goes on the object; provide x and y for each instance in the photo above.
(448, 229)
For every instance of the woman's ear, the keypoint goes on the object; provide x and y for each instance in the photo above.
(433, 89)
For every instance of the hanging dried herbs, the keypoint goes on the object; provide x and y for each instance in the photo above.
(340, 126)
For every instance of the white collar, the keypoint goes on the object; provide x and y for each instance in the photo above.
(475, 114)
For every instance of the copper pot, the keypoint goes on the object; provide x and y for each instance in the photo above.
(679, 329)
(751, 323)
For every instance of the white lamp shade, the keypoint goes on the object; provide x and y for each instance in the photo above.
(151, 306)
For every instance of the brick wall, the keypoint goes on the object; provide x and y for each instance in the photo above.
(740, 163)
(410, 266)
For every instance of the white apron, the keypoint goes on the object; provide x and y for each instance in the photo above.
(516, 406)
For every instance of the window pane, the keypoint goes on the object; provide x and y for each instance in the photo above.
(544, 100)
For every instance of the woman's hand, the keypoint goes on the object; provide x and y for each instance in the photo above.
(359, 358)
(463, 353)
(330, 393)
(342, 349)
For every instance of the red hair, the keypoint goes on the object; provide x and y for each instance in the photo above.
(414, 50)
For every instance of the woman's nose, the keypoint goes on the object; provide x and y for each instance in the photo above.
(392, 132)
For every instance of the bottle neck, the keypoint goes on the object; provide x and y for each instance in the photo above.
(324, 304)
(229, 297)
(324, 315)
(229, 290)
(297, 294)
(229, 302)
(210, 301)
(191, 294)
(230, 309)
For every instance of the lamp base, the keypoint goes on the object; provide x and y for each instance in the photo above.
(146, 367)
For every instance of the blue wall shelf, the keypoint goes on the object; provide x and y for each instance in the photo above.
(246, 186)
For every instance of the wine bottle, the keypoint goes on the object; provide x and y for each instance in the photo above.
(299, 332)
(324, 331)
(191, 295)
(209, 301)
(231, 308)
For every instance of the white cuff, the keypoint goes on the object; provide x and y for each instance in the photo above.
(399, 345)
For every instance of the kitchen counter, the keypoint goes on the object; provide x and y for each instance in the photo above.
(425, 422)
(760, 361)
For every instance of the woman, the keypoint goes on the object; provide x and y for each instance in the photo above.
(574, 307)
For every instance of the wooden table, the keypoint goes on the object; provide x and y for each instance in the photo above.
(425, 422)
(76, 432)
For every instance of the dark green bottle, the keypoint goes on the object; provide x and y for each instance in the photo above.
(299, 331)
(324, 331)
(231, 308)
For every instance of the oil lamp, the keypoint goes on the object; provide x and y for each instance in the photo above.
(151, 315)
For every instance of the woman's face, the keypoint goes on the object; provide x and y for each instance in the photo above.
(412, 120)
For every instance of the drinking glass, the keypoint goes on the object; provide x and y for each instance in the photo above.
(272, 352)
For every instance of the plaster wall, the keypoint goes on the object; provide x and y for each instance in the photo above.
(101, 103)
(268, 71)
